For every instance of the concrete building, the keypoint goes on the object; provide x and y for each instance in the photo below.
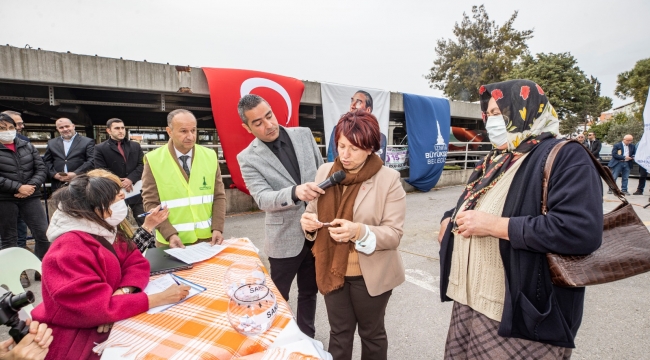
(46, 85)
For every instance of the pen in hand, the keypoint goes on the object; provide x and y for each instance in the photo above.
(148, 213)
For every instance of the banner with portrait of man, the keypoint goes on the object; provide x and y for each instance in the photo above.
(340, 99)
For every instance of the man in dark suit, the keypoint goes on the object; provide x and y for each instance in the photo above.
(622, 160)
(68, 155)
(593, 145)
(124, 159)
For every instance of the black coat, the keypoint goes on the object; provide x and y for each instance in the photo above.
(22, 167)
(534, 308)
(108, 157)
(79, 158)
(595, 147)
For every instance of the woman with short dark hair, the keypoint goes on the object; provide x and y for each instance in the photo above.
(93, 275)
(22, 173)
(357, 227)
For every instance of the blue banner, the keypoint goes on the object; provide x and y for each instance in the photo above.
(428, 122)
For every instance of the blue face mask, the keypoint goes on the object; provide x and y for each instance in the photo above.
(496, 129)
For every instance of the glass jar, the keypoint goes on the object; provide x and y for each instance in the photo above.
(251, 309)
(243, 273)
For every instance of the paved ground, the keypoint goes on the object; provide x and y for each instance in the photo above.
(617, 315)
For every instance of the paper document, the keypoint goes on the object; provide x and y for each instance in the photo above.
(137, 188)
(163, 283)
(195, 253)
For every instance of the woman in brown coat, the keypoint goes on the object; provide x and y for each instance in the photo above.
(357, 227)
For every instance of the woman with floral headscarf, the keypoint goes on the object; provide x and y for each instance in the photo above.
(494, 243)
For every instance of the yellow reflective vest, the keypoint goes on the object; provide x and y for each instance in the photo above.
(189, 204)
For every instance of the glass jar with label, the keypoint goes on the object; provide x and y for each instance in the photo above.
(243, 273)
(252, 309)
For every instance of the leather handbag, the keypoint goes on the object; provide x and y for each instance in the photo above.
(624, 252)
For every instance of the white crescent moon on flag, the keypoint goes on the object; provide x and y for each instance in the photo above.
(252, 83)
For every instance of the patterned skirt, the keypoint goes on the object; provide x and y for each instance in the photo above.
(473, 335)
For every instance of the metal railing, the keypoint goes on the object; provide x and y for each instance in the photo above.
(452, 156)
(466, 153)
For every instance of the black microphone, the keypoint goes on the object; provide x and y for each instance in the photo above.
(336, 178)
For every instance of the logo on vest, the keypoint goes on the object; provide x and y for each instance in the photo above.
(205, 185)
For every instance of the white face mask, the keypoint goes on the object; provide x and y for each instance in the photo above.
(7, 136)
(119, 210)
(496, 128)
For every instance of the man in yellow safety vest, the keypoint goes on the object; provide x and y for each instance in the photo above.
(185, 178)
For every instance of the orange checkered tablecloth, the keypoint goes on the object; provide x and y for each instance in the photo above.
(198, 328)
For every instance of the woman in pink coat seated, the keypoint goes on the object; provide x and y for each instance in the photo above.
(93, 276)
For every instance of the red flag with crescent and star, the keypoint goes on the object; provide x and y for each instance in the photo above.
(227, 86)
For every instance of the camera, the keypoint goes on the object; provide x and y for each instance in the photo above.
(10, 305)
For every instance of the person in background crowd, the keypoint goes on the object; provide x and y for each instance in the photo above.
(93, 275)
(581, 139)
(20, 225)
(123, 158)
(279, 167)
(143, 237)
(22, 173)
(179, 171)
(643, 175)
(494, 242)
(622, 160)
(593, 145)
(357, 261)
(361, 100)
(68, 155)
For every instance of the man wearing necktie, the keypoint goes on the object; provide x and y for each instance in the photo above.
(279, 167)
(186, 179)
(123, 158)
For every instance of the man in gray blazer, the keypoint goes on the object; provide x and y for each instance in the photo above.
(279, 167)
(68, 155)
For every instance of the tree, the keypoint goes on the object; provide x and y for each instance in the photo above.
(483, 53)
(634, 84)
(601, 130)
(575, 97)
(622, 124)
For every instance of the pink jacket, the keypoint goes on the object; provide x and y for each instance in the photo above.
(79, 279)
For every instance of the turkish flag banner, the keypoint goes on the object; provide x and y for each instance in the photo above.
(227, 86)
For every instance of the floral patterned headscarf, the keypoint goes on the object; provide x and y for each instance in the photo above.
(530, 119)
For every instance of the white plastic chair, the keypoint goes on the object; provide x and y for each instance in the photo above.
(13, 261)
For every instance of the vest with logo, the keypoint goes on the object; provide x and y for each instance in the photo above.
(189, 203)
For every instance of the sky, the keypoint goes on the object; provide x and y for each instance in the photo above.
(377, 44)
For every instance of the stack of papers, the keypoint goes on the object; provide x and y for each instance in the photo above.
(195, 253)
(163, 283)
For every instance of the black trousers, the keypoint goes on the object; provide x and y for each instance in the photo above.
(33, 214)
(283, 271)
(137, 209)
(350, 306)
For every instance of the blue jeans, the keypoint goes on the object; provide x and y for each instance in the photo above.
(623, 169)
(22, 233)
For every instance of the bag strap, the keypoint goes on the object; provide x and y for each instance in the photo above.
(106, 244)
(605, 173)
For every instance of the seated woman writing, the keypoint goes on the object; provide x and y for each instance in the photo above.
(93, 275)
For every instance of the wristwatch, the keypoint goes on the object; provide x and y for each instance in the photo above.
(126, 290)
